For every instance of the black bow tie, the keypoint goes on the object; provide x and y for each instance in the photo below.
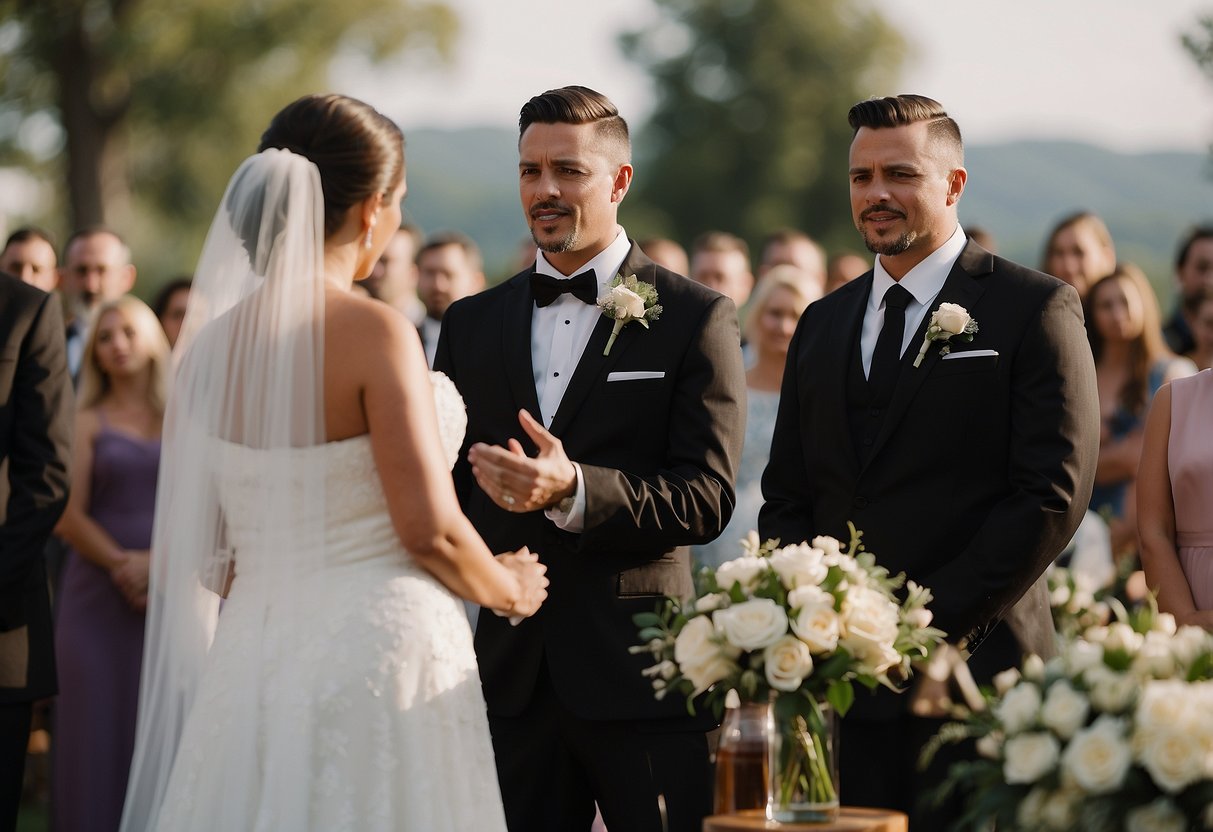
(547, 289)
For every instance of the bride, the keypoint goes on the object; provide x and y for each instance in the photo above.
(306, 476)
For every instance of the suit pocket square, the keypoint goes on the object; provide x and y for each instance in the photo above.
(635, 375)
(971, 354)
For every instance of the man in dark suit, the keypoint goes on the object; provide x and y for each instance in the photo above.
(970, 470)
(604, 462)
(35, 439)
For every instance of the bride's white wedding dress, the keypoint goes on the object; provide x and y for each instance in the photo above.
(377, 721)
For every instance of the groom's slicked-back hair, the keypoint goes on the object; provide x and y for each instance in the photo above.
(580, 105)
(901, 110)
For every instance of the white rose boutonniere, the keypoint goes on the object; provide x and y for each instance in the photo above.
(628, 299)
(947, 322)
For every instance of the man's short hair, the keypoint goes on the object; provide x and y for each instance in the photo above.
(579, 105)
(27, 233)
(414, 234)
(1200, 232)
(720, 241)
(453, 238)
(902, 110)
(94, 231)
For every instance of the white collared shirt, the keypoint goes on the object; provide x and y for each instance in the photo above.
(559, 334)
(923, 282)
(430, 330)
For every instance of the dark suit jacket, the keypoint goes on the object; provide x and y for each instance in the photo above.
(983, 467)
(35, 437)
(658, 456)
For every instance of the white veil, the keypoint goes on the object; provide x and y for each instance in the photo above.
(237, 486)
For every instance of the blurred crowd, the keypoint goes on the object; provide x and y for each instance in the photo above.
(119, 351)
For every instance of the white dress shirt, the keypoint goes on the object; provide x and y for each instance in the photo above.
(430, 330)
(559, 334)
(923, 282)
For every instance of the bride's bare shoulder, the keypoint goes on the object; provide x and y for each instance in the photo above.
(355, 325)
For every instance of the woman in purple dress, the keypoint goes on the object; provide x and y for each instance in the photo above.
(108, 522)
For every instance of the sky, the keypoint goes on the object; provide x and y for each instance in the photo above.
(1110, 72)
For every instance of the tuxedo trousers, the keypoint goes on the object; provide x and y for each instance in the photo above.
(15, 723)
(554, 765)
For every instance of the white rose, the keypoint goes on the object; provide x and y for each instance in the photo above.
(708, 673)
(1160, 815)
(1162, 705)
(869, 625)
(711, 601)
(1019, 708)
(828, 546)
(627, 303)
(787, 662)
(990, 745)
(1060, 810)
(799, 565)
(1190, 642)
(1059, 595)
(744, 570)
(1029, 757)
(1034, 668)
(1065, 709)
(952, 318)
(1081, 656)
(817, 623)
(1121, 636)
(1098, 757)
(1165, 623)
(1109, 691)
(1029, 812)
(1006, 680)
(1155, 659)
(697, 642)
(1173, 757)
(753, 624)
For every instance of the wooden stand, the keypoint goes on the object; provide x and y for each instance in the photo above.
(849, 820)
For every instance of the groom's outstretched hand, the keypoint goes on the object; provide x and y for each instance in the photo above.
(517, 482)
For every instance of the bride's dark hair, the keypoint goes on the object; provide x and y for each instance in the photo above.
(359, 151)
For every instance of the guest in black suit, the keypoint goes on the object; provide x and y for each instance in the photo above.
(969, 472)
(35, 439)
(604, 464)
(448, 269)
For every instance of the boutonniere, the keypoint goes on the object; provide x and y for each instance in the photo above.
(628, 299)
(947, 322)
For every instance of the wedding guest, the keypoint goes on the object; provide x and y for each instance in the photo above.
(607, 457)
(170, 305)
(393, 280)
(780, 299)
(987, 452)
(721, 261)
(108, 523)
(1193, 276)
(843, 267)
(1131, 363)
(1201, 353)
(35, 447)
(666, 253)
(788, 246)
(1079, 250)
(449, 268)
(29, 254)
(96, 268)
(1174, 495)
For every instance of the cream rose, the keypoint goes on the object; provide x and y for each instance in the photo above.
(1034, 668)
(1098, 757)
(1162, 705)
(697, 642)
(1173, 757)
(1081, 656)
(708, 673)
(1029, 757)
(711, 601)
(869, 628)
(1160, 815)
(828, 546)
(799, 565)
(1019, 708)
(1064, 710)
(1060, 810)
(952, 318)
(627, 303)
(816, 623)
(753, 624)
(990, 745)
(744, 570)
(1006, 680)
(787, 662)
(1155, 659)
(1109, 691)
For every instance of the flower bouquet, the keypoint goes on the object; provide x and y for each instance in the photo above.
(795, 626)
(1116, 733)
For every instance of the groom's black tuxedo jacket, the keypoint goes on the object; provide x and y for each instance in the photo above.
(980, 469)
(659, 458)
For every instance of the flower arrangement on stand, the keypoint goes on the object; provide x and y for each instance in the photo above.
(796, 627)
(1116, 733)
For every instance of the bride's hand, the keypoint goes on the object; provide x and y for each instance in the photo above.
(532, 581)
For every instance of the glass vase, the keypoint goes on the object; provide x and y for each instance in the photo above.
(741, 759)
(802, 749)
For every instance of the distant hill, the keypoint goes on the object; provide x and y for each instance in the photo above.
(467, 180)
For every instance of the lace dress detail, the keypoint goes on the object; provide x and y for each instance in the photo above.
(372, 717)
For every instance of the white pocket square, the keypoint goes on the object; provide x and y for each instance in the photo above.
(971, 354)
(635, 375)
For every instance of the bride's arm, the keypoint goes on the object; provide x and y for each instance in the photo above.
(398, 400)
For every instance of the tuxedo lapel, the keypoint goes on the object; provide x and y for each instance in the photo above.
(593, 367)
(960, 288)
(843, 342)
(516, 345)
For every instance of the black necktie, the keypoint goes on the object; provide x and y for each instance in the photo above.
(886, 358)
(547, 289)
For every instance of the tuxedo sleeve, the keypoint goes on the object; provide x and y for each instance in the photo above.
(39, 450)
(1054, 444)
(689, 499)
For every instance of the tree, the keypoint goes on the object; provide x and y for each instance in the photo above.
(749, 133)
(142, 108)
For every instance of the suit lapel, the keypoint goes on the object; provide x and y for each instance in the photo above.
(516, 344)
(960, 288)
(845, 330)
(593, 367)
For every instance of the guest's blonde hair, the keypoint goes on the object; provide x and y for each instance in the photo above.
(95, 384)
(778, 277)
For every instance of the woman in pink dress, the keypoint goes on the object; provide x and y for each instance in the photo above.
(1175, 498)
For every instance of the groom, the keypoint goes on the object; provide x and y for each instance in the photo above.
(605, 462)
(969, 471)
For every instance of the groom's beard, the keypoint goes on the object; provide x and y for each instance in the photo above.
(888, 247)
(559, 245)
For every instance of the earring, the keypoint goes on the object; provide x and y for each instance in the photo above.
(366, 243)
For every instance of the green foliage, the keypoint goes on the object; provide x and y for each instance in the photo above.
(749, 133)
